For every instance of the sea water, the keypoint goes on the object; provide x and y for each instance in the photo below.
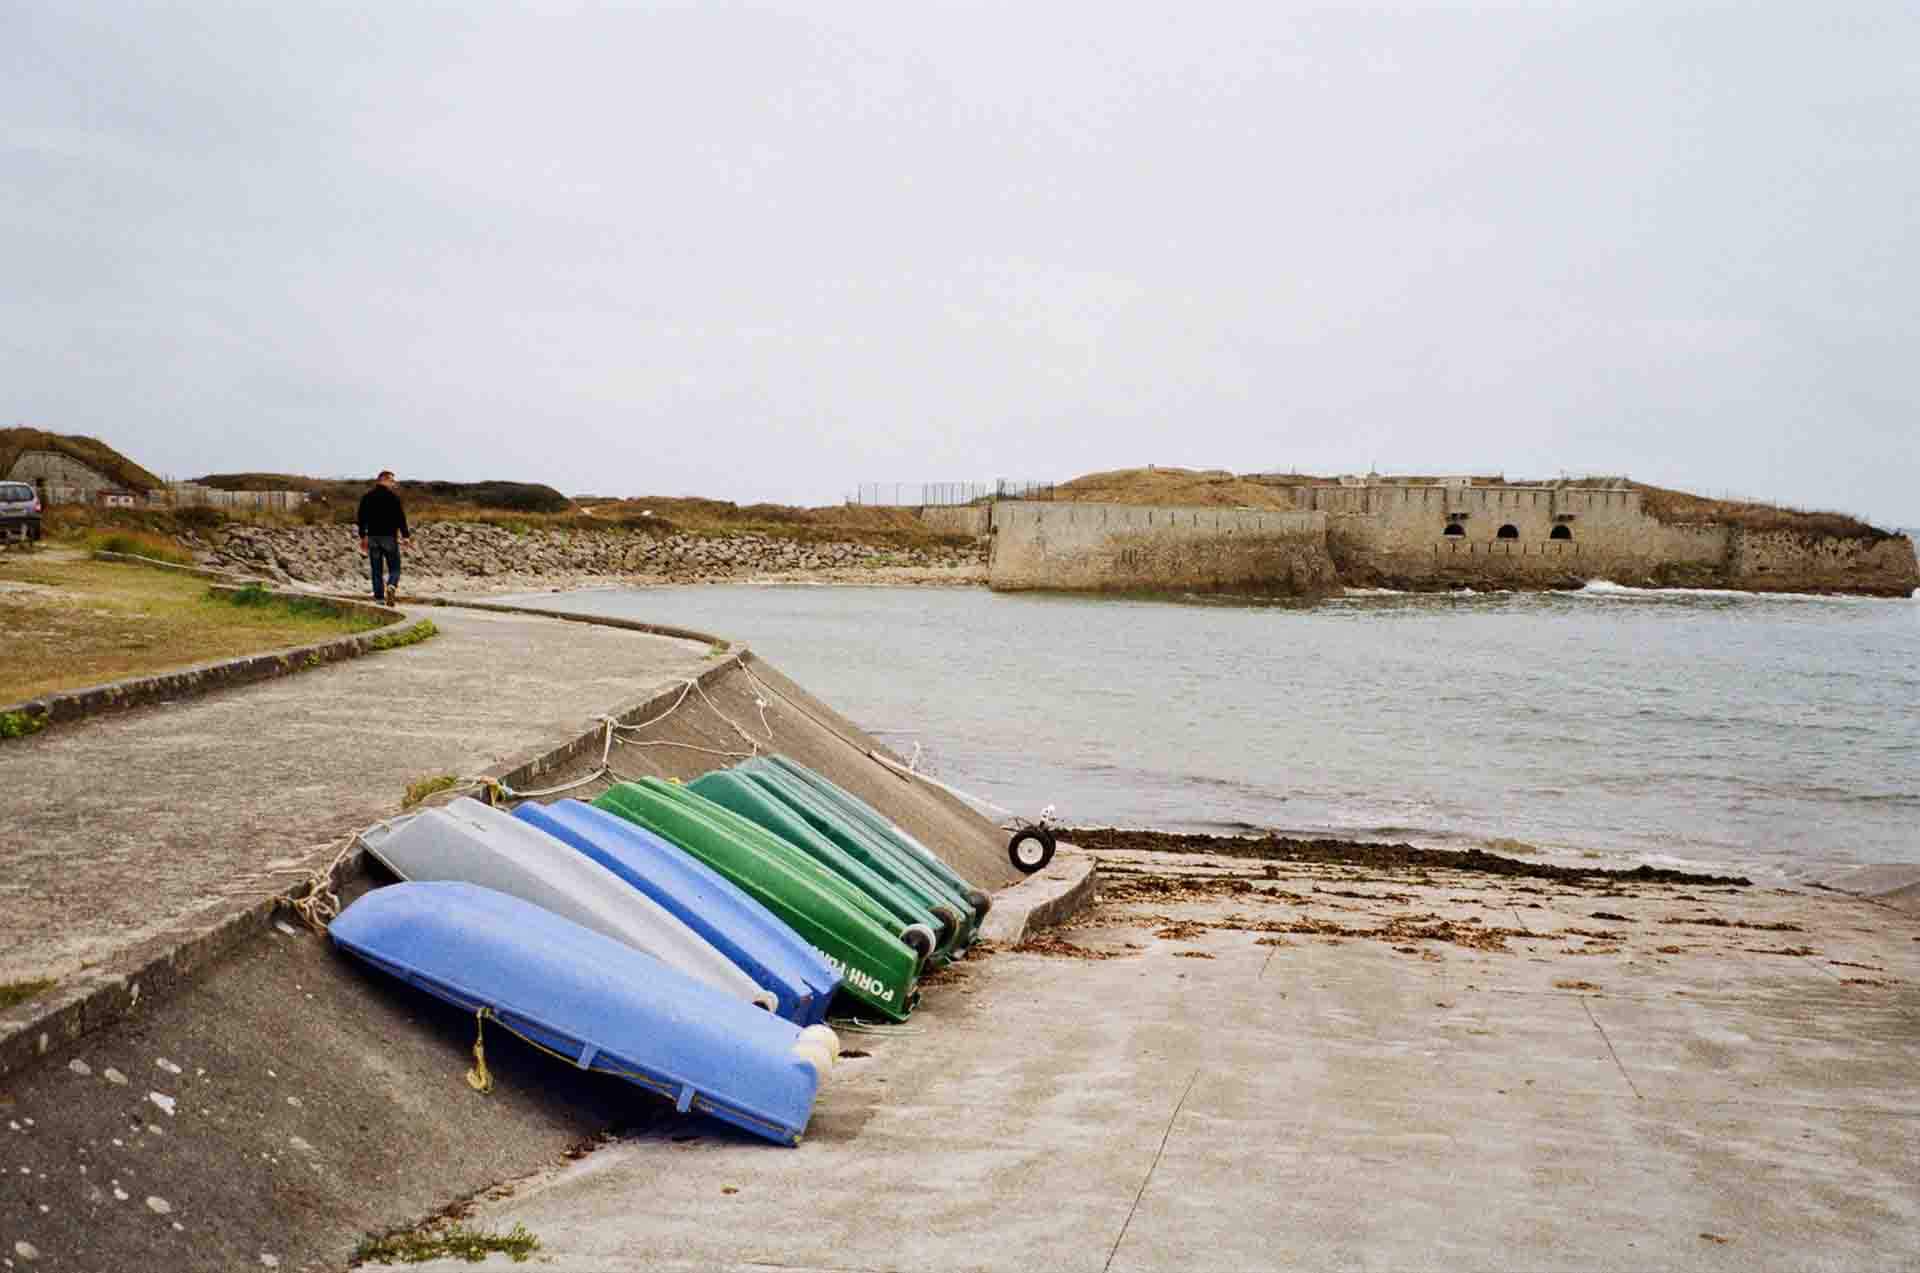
(1774, 734)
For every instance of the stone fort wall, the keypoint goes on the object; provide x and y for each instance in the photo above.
(1125, 547)
(1411, 535)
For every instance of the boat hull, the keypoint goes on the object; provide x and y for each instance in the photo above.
(766, 949)
(596, 1002)
(739, 792)
(474, 843)
(879, 852)
(877, 969)
(860, 810)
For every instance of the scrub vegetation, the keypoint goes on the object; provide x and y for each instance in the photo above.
(73, 622)
(422, 788)
(16, 992)
(455, 1241)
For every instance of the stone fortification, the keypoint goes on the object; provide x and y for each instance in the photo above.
(456, 553)
(1124, 547)
(1428, 535)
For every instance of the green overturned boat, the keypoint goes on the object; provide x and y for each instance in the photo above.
(874, 849)
(878, 957)
(859, 811)
(854, 863)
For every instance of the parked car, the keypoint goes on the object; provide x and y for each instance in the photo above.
(19, 509)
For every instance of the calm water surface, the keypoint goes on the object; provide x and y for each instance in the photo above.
(1776, 734)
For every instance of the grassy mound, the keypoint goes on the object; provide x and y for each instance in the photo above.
(92, 452)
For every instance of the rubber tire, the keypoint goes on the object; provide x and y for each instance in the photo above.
(1043, 838)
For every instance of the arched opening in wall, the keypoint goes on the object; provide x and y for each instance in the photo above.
(1454, 530)
(1561, 532)
(1509, 531)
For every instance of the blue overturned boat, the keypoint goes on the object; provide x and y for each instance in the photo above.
(706, 901)
(594, 1001)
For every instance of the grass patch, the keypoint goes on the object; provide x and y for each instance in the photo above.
(21, 724)
(80, 622)
(307, 607)
(17, 992)
(425, 787)
(457, 1241)
(421, 631)
(139, 543)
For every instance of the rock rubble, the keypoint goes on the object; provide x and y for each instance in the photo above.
(478, 555)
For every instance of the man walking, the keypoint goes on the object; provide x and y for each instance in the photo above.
(382, 524)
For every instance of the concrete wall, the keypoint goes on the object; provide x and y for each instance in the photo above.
(61, 478)
(958, 519)
(1123, 547)
(1395, 535)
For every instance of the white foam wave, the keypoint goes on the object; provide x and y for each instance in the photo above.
(1395, 592)
(1608, 588)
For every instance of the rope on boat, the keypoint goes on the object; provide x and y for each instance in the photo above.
(478, 1078)
(968, 796)
(317, 905)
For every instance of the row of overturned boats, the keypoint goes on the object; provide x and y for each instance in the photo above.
(690, 939)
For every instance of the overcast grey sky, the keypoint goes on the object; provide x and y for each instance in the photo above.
(768, 251)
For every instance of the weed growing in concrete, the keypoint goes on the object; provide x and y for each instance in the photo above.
(471, 1245)
(21, 724)
(421, 631)
(418, 791)
(13, 992)
(718, 648)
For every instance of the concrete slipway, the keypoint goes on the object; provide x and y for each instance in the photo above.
(202, 1088)
(1384, 1089)
(1648, 1090)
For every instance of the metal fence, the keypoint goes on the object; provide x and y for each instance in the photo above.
(946, 494)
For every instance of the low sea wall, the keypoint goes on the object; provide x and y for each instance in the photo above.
(482, 551)
(1123, 547)
(1425, 537)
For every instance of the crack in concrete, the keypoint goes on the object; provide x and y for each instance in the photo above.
(1588, 1005)
(1171, 1119)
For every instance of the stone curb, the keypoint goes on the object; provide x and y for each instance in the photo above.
(201, 678)
(1062, 889)
(99, 996)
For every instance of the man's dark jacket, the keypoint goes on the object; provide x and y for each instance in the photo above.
(380, 514)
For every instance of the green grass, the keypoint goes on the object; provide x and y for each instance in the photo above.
(16, 992)
(293, 606)
(21, 724)
(420, 790)
(471, 1245)
(138, 543)
(421, 631)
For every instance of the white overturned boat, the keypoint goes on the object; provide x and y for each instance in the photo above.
(476, 844)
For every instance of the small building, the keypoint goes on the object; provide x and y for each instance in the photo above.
(61, 479)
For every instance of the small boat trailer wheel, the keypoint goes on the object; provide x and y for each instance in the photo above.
(1031, 848)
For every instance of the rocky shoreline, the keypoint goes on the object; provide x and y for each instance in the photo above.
(479, 557)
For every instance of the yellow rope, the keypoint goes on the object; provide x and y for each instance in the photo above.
(481, 1081)
(477, 1078)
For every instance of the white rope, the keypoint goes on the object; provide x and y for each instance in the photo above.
(969, 797)
(854, 1025)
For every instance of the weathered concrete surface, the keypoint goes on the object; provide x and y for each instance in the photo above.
(313, 1101)
(1203, 1101)
(125, 826)
(1049, 896)
(214, 1089)
(1894, 886)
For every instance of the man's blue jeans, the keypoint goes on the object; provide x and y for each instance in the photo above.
(387, 546)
